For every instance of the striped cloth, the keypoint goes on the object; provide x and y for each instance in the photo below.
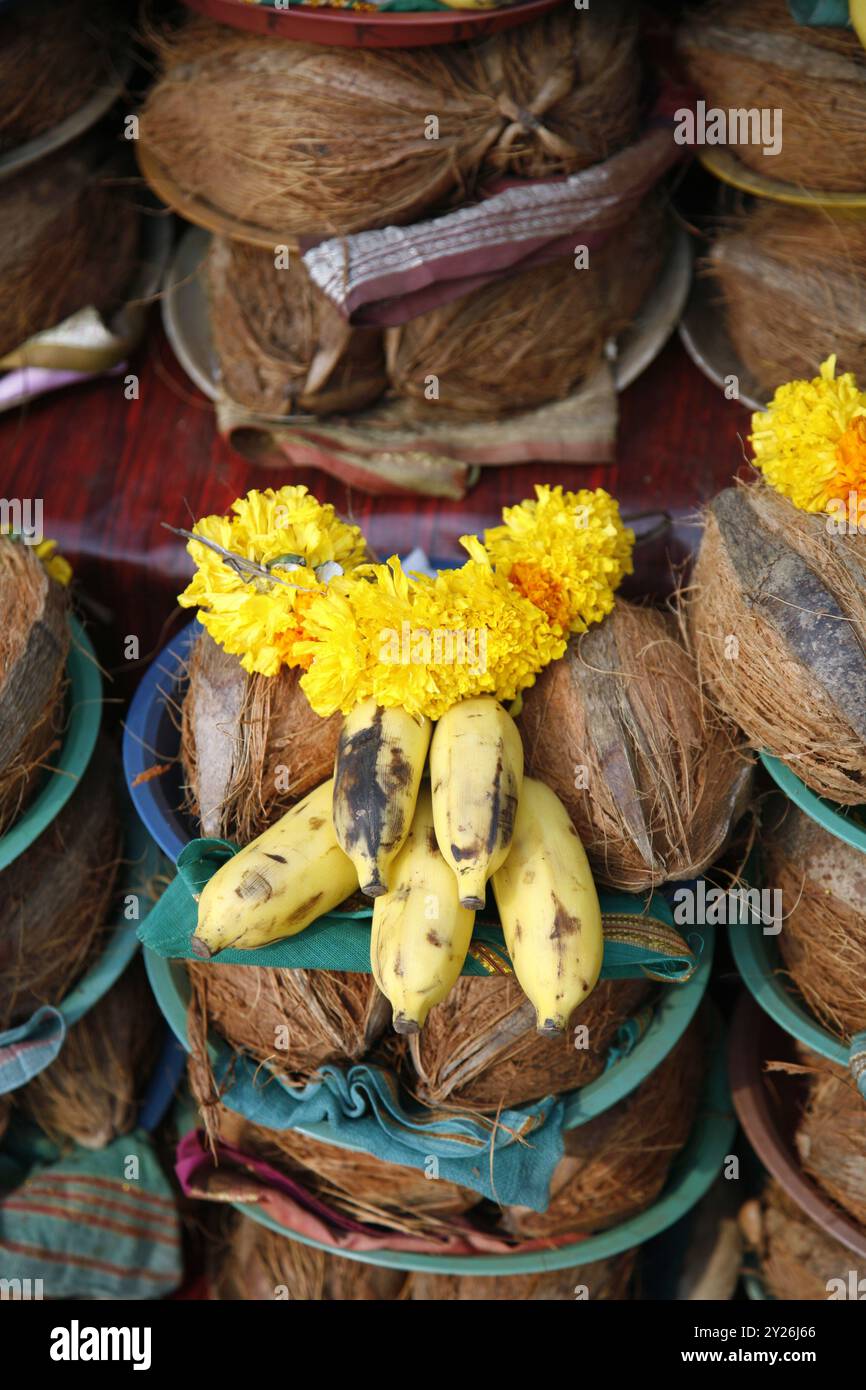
(93, 1225)
(387, 276)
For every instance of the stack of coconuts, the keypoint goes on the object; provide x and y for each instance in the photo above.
(277, 146)
(614, 770)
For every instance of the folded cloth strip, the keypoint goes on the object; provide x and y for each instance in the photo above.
(511, 1160)
(389, 276)
(233, 1176)
(639, 935)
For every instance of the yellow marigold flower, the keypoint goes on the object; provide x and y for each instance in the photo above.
(262, 622)
(422, 644)
(809, 443)
(56, 566)
(568, 551)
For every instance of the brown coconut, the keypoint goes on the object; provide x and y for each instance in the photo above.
(281, 344)
(257, 1263)
(751, 54)
(777, 616)
(599, 1279)
(530, 338)
(480, 1050)
(268, 133)
(49, 69)
(619, 728)
(55, 897)
(793, 283)
(831, 1135)
(823, 938)
(365, 1188)
(92, 1093)
(34, 642)
(797, 1258)
(250, 745)
(67, 241)
(617, 1164)
(295, 1020)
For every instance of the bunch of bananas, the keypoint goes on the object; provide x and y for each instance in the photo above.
(424, 848)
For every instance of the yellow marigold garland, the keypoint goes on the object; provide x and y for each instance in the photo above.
(416, 642)
(810, 442)
(566, 551)
(259, 622)
(422, 644)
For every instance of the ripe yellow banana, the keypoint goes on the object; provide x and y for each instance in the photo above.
(476, 772)
(420, 932)
(377, 773)
(278, 884)
(549, 909)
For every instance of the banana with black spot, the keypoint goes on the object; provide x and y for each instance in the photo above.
(420, 931)
(476, 771)
(377, 772)
(549, 909)
(279, 883)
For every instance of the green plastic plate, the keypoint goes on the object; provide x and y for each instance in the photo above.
(85, 714)
(826, 813)
(760, 964)
(673, 1014)
(692, 1175)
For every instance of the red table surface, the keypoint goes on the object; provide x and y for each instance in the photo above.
(110, 470)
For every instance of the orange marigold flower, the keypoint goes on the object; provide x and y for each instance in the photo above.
(543, 589)
(851, 459)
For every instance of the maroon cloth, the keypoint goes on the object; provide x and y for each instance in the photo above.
(234, 1176)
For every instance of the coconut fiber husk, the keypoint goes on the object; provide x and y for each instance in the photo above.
(750, 54)
(831, 1134)
(777, 615)
(362, 1187)
(34, 642)
(295, 1020)
(270, 133)
(823, 938)
(52, 60)
(479, 1049)
(54, 897)
(531, 338)
(617, 1164)
(599, 1279)
(257, 1263)
(281, 344)
(92, 1093)
(250, 744)
(67, 241)
(620, 729)
(793, 283)
(797, 1258)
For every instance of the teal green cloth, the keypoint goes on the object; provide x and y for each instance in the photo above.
(511, 1162)
(341, 941)
(92, 1225)
(816, 12)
